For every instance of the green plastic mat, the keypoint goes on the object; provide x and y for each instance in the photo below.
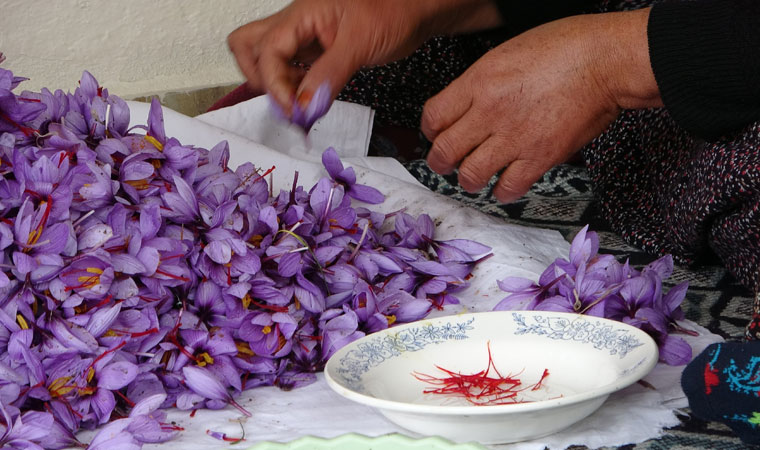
(354, 441)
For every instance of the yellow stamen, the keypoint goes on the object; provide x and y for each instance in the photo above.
(90, 374)
(22, 322)
(89, 390)
(244, 348)
(140, 185)
(266, 330)
(255, 240)
(204, 358)
(155, 142)
(110, 333)
(246, 300)
(296, 302)
(391, 319)
(58, 387)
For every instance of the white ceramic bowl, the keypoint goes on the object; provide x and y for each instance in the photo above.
(587, 358)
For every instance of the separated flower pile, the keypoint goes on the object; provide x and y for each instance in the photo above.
(140, 273)
(599, 285)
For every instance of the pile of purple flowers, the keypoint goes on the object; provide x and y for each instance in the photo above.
(599, 285)
(139, 273)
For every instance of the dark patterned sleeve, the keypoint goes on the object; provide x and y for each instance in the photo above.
(706, 59)
(521, 15)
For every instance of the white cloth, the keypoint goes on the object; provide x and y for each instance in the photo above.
(632, 415)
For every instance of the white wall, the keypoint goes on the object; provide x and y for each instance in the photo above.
(133, 47)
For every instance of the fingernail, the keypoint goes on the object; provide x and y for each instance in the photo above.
(304, 97)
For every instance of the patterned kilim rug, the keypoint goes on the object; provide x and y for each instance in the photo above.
(563, 201)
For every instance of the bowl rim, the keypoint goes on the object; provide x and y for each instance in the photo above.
(639, 371)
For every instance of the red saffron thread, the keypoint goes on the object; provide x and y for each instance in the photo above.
(481, 388)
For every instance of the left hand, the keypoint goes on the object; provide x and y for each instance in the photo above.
(535, 100)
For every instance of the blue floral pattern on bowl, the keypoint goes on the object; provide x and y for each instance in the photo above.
(375, 351)
(600, 335)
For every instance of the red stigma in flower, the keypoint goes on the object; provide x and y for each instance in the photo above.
(171, 275)
(261, 177)
(26, 130)
(123, 343)
(35, 234)
(124, 397)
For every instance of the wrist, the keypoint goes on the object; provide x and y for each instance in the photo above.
(626, 69)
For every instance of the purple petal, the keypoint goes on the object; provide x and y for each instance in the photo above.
(103, 403)
(117, 375)
(366, 194)
(675, 351)
(219, 252)
(102, 319)
(331, 161)
(204, 383)
(126, 263)
(156, 121)
(516, 284)
(430, 267)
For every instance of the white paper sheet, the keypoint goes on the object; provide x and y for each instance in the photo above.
(632, 415)
(347, 127)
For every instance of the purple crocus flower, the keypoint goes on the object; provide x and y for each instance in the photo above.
(269, 334)
(142, 272)
(304, 117)
(115, 436)
(593, 284)
(89, 276)
(346, 177)
(338, 328)
(213, 351)
(26, 430)
(204, 383)
(147, 424)
(15, 112)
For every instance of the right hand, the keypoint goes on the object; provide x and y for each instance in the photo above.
(338, 37)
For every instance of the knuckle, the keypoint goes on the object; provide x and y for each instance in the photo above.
(472, 176)
(445, 150)
(432, 117)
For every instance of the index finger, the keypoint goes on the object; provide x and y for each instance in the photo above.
(279, 48)
(445, 108)
(242, 43)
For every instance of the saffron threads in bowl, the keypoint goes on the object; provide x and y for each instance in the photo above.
(485, 388)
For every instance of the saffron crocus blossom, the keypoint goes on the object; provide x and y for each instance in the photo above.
(140, 272)
(205, 384)
(305, 116)
(25, 431)
(594, 284)
(347, 178)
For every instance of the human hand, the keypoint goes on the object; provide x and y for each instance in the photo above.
(338, 37)
(535, 100)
